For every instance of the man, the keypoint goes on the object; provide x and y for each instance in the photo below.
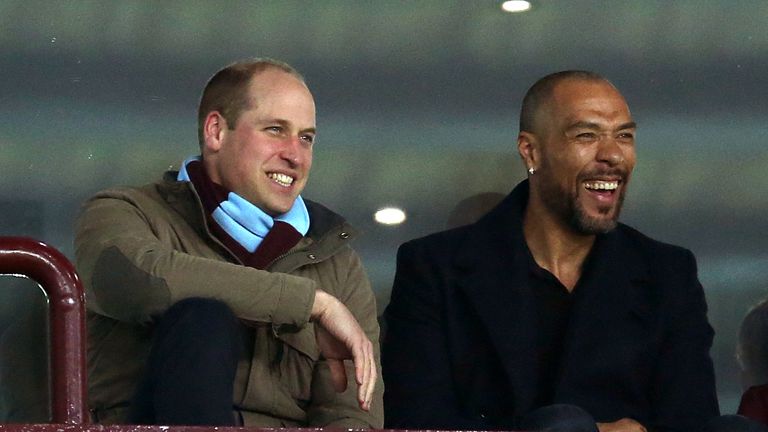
(547, 312)
(218, 296)
(752, 354)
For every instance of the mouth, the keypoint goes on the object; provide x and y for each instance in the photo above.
(602, 186)
(281, 179)
(604, 191)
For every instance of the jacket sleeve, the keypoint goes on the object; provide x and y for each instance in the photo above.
(133, 269)
(341, 410)
(683, 396)
(420, 389)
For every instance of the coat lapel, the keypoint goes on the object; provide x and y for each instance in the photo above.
(493, 274)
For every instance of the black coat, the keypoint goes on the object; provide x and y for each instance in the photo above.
(459, 352)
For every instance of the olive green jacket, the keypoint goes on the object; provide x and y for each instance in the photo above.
(140, 250)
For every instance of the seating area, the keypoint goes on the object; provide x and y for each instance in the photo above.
(57, 277)
(67, 408)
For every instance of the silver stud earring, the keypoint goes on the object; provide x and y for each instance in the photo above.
(531, 171)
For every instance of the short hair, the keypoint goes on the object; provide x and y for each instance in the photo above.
(753, 343)
(541, 91)
(226, 91)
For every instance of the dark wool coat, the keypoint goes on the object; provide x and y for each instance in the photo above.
(459, 352)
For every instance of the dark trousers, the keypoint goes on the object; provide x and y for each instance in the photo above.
(570, 418)
(191, 369)
(558, 418)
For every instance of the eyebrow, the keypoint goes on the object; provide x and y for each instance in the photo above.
(592, 125)
(285, 123)
(628, 125)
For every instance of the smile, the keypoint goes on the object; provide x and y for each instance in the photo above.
(601, 185)
(281, 179)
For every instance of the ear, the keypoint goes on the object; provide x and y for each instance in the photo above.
(527, 146)
(214, 130)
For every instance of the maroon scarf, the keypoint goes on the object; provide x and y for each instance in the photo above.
(280, 239)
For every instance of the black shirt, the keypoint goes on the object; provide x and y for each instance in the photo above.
(553, 309)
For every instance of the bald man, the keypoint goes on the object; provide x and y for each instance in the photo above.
(547, 312)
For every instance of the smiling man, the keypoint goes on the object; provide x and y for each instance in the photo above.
(218, 295)
(547, 312)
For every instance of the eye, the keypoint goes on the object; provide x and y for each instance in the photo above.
(626, 136)
(586, 136)
(274, 129)
(308, 138)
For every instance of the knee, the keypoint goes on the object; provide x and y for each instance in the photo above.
(207, 315)
(198, 306)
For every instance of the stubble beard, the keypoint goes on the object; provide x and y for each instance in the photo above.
(571, 211)
(586, 224)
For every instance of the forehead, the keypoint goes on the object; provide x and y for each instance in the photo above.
(277, 92)
(577, 100)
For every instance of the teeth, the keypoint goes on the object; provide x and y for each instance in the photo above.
(602, 185)
(281, 179)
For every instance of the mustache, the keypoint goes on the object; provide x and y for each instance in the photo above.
(615, 172)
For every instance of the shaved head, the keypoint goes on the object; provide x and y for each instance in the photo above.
(541, 92)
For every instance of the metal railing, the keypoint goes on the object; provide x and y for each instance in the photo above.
(57, 277)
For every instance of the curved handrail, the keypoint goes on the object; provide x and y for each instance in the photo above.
(56, 274)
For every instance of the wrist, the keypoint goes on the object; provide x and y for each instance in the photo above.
(322, 301)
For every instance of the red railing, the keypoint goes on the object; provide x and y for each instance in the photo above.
(56, 275)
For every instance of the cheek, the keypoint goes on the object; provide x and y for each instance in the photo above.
(631, 158)
(256, 154)
(309, 160)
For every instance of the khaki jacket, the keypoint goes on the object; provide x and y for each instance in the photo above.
(140, 250)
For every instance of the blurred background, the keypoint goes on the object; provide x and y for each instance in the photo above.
(417, 108)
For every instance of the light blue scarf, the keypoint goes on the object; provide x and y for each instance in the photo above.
(245, 222)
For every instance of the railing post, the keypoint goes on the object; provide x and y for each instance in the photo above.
(57, 276)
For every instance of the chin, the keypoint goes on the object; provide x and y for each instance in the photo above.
(277, 210)
(593, 227)
(587, 224)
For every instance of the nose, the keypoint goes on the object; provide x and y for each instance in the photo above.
(610, 152)
(292, 151)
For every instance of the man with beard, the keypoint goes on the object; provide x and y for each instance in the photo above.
(547, 313)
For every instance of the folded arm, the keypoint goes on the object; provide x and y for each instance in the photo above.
(131, 274)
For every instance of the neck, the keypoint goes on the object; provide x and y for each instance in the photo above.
(555, 246)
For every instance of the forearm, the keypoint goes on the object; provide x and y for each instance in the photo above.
(132, 274)
(331, 409)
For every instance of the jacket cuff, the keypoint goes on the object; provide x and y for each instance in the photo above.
(294, 305)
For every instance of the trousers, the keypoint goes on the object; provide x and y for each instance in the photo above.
(190, 372)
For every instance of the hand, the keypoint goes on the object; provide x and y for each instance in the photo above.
(339, 338)
(623, 425)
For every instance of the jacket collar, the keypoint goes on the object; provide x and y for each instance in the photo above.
(328, 231)
(493, 272)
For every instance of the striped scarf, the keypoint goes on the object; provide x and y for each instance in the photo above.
(252, 235)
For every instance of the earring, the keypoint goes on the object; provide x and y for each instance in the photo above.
(531, 171)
